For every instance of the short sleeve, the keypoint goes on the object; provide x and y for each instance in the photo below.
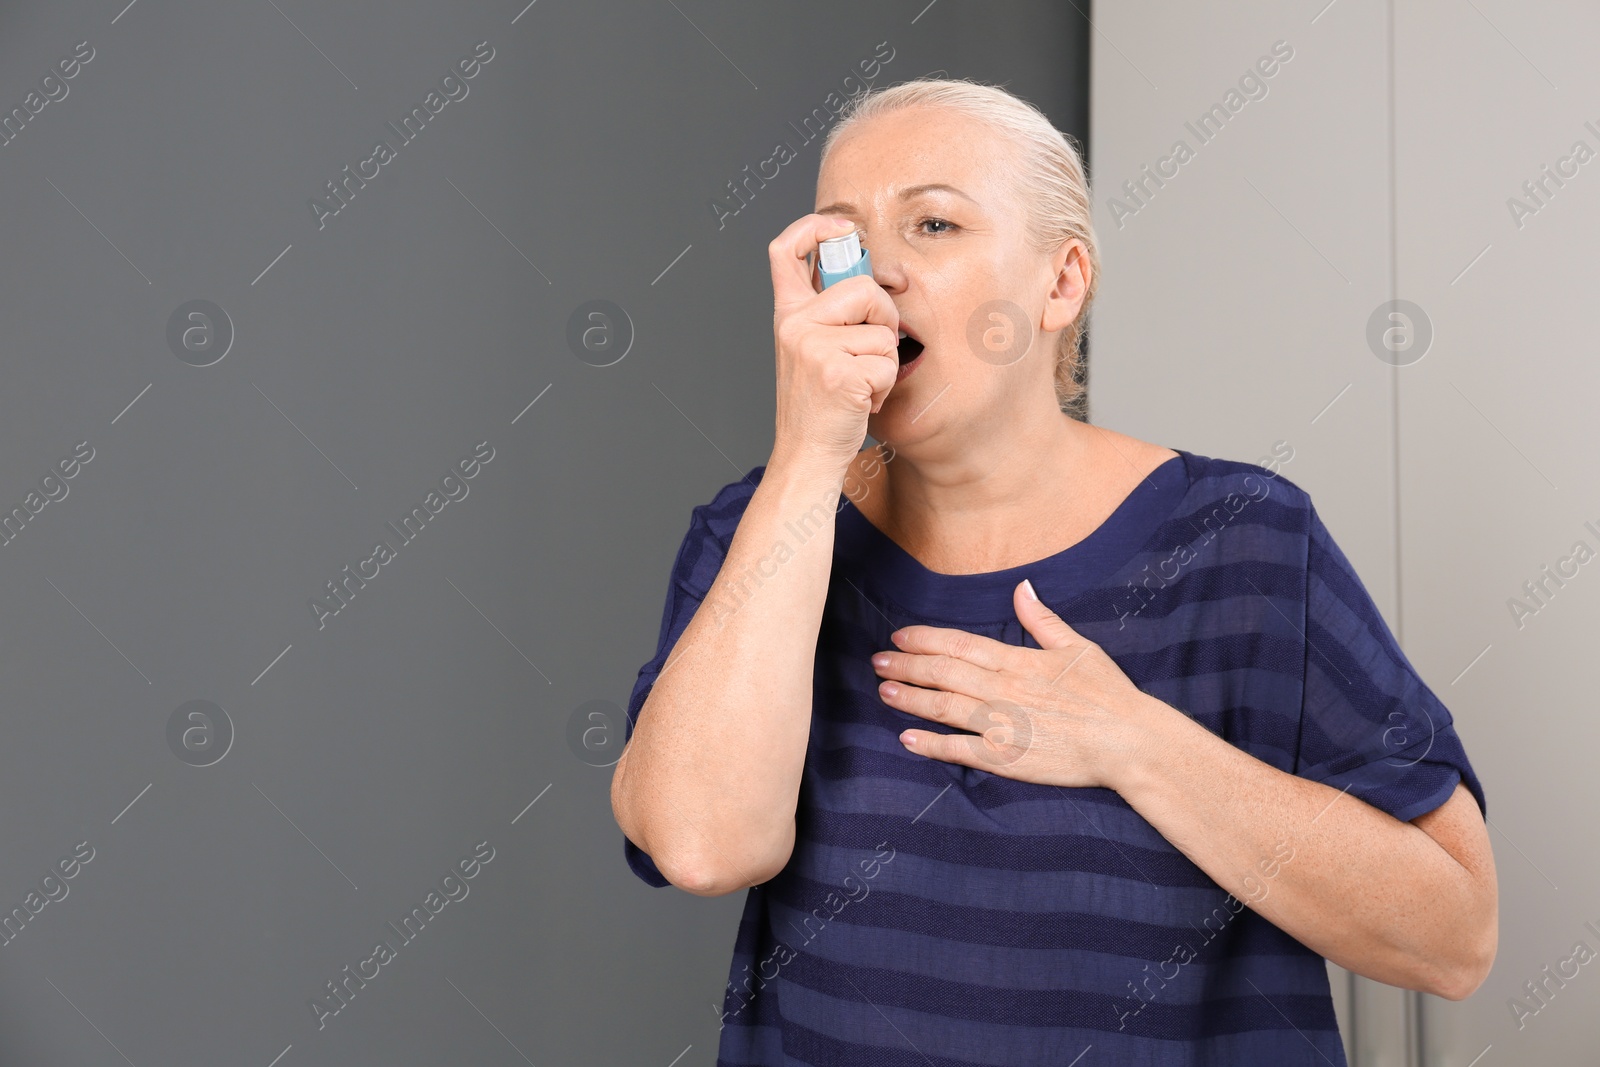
(1368, 722)
(694, 570)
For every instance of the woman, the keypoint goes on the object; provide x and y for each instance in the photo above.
(1044, 738)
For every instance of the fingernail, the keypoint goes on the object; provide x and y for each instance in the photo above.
(1027, 587)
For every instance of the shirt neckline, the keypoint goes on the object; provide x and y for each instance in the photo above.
(897, 576)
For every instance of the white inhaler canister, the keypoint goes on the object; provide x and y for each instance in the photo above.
(842, 257)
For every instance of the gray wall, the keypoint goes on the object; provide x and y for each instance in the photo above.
(239, 853)
(1236, 312)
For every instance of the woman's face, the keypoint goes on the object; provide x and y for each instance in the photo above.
(986, 306)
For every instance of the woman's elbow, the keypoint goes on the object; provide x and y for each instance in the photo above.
(701, 878)
(708, 873)
(1466, 970)
(686, 858)
(1459, 982)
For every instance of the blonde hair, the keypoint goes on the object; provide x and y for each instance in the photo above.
(1050, 181)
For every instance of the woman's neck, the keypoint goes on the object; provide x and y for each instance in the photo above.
(1008, 504)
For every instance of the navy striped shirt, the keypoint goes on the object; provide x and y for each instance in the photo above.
(935, 914)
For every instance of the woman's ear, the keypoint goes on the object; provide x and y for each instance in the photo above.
(1070, 264)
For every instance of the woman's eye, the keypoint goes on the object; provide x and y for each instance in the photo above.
(936, 222)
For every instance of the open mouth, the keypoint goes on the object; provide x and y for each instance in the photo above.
(910, 348)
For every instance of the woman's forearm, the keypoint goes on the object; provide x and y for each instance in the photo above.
(1375, 895)
(710, 779)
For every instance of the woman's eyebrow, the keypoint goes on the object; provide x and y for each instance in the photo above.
(844, 207)
(931, 187)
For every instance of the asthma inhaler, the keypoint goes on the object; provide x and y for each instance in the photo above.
(842, 257)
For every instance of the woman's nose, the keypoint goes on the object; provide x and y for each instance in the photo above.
(888, 266)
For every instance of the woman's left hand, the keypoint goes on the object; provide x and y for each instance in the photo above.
(1061, 714)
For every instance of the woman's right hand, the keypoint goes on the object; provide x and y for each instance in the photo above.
(837, 351)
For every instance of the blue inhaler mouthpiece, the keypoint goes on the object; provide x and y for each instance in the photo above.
(842, 257)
